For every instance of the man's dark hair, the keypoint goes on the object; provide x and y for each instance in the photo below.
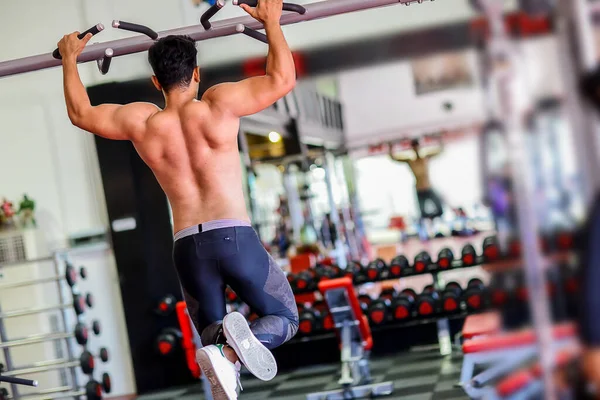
(173, 59)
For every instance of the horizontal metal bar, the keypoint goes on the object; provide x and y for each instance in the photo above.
(18, 381)
(25, 262)
(46, 363)
(35, 339)
(222, 28)
(30, 311)
(31, 282)
(63, 390)
(51, 367)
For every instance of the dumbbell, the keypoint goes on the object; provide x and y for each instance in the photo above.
(422, 262)
(325, 320)
(429, 289)
(403, 305)
(475, 295)
(167, 341)
(308, 321)
(166, 305)
(303, 282)
(320, 306)
(337, 271)
(323, 273)
(571, 287)
(365, 301)
(491, 250)
(399, 267)
(570, 281)
(451, 297)
(427, 303)
(378, 311)
(87, 361)
(81, 303)
(468, 255)
(445, 258)
(565, 240)
(500, 293)
(354, 271)
(388, 294)
(93, 389)
(514, 248)
(375, 270)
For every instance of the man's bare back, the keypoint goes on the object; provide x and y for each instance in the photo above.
(194, 156)
(191, 146)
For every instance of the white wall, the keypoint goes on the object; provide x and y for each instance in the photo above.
(381, 104)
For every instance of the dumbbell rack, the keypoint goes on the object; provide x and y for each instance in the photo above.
(507, 261)
(60, 261)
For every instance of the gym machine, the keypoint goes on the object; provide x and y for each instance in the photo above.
(356, 342)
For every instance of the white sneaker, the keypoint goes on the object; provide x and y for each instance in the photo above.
(251, 352)
(223, 375)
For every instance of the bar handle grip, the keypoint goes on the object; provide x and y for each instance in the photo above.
(104, 62)
(128, 26)
(93, 30)
(208, 14)
(297, 8)
(18, 381)
(252, 33)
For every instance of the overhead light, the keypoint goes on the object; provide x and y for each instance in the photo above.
(274, 137)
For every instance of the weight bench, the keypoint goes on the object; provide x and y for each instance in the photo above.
(526, 383)
(356, 342)
(501, 353)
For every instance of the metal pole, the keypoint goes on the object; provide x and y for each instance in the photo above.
(340, 251)
(7, 357)
(226, 27)
(505, 70)
(575, 42)
(63, 312)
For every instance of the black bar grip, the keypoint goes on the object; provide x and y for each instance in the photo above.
(104, 63)
(252, 33)
(18, 381)
(297, 8)
(93, 30)
(128, 26)
(208, 14)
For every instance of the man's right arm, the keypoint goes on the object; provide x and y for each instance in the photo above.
(257, 93)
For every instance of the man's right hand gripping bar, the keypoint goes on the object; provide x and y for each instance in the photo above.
(286, 6)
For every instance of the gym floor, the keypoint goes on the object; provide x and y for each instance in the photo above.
(421, 374)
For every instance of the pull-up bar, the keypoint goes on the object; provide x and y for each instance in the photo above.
(222, 28)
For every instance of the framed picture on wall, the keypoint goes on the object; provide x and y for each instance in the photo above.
(442, 72)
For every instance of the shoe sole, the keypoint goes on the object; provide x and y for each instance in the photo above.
(252, 353)
(216, 387)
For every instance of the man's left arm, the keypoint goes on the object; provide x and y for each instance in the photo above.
(111, 121)
(436, 151)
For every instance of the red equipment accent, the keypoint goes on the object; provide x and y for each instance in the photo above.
(363, 323)
(187, 338)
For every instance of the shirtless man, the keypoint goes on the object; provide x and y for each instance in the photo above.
(191, 146)
(419, 165)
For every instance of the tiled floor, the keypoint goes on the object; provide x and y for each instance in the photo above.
(418, 375)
